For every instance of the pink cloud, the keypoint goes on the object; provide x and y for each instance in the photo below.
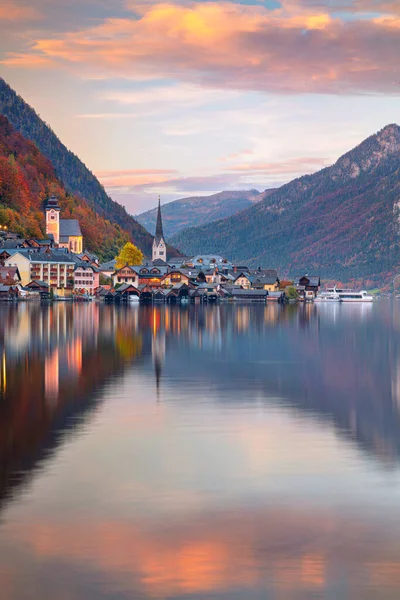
(17, 12)
(295, 49)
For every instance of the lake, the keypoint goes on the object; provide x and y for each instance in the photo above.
(222, 452)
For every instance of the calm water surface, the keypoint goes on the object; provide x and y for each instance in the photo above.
(228, 452)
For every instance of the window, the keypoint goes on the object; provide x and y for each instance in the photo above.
(161, 253)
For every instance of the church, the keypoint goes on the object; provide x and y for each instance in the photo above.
(159, 245)
(66, 233)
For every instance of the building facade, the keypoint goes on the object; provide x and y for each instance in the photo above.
(86, 278)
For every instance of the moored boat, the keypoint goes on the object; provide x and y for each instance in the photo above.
(350, 296)
(329, 295)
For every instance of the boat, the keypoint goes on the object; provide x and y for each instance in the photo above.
(133, 299)
(351, 296)
(328, 296)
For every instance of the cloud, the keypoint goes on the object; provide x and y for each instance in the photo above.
(136, 178)
(17, 12)
(287, 167)
(293, 49)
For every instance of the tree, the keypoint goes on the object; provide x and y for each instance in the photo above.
(129, 255)
(291, 293)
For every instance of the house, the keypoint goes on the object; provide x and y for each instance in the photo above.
(174, 277)
(66, 233)
(249, 295)
(37, 286)
(89, 258)
(265, 279)
(10, 275)
(126, 290)
(86, 278)
(243, 280)
(126, 275)
(8, 292)
(108, 268)
(307, 286)
(55, 268)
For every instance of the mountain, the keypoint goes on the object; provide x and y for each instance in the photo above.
(77, 178)
(342, 222)
(27, 178)
(198, 210)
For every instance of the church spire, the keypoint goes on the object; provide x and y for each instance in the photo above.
(159, 245)
(159, 228)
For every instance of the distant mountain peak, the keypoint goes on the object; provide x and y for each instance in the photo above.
(367, 156)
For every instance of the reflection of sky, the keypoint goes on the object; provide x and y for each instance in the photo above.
(237, 478)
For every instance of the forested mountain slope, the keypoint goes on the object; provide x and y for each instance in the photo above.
(199, 210)
(77, 178)
(27, 179)
(342, 222)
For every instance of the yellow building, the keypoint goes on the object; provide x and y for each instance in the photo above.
(66, 232)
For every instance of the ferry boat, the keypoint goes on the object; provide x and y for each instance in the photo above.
(328, 296)
(350, 296)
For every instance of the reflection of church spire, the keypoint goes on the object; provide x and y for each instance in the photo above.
(158, 351)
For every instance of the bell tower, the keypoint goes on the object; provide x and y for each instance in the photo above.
(52, 212)
(159, 245)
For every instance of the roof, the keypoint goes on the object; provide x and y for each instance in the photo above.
(9, 272)
(42, 256)
(85, 265)
(108, 266)
(241, 292)
(38, 282)
(314, 280)
(52, 203)
(69, 227)
(126, 286)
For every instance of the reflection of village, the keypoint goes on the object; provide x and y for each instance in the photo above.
(54, 362)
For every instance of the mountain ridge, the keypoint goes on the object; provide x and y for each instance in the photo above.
(74, 174)
(27, 179)
(199, 210)
(342, 221)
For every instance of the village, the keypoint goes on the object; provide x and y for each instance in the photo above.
(58, 268)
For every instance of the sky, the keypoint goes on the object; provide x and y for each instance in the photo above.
(187, 98)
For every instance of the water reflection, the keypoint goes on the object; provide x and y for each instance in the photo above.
(207, 452)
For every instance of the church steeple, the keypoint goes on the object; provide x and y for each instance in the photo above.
(159, 228)
(159, 245)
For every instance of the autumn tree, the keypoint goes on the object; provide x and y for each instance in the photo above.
(129, 255)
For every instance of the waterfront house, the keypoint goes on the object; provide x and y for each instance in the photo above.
(265, 279)
(174, 277)
(37, 286)
(307, 286)
(126, 275)
(55, 268)
(8, 292)
(10, 275)
(86, 278)
(126, 290)
(243, 280)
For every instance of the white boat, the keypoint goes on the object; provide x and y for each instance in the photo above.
(133, 299)
(328, 296)
(350, 296)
